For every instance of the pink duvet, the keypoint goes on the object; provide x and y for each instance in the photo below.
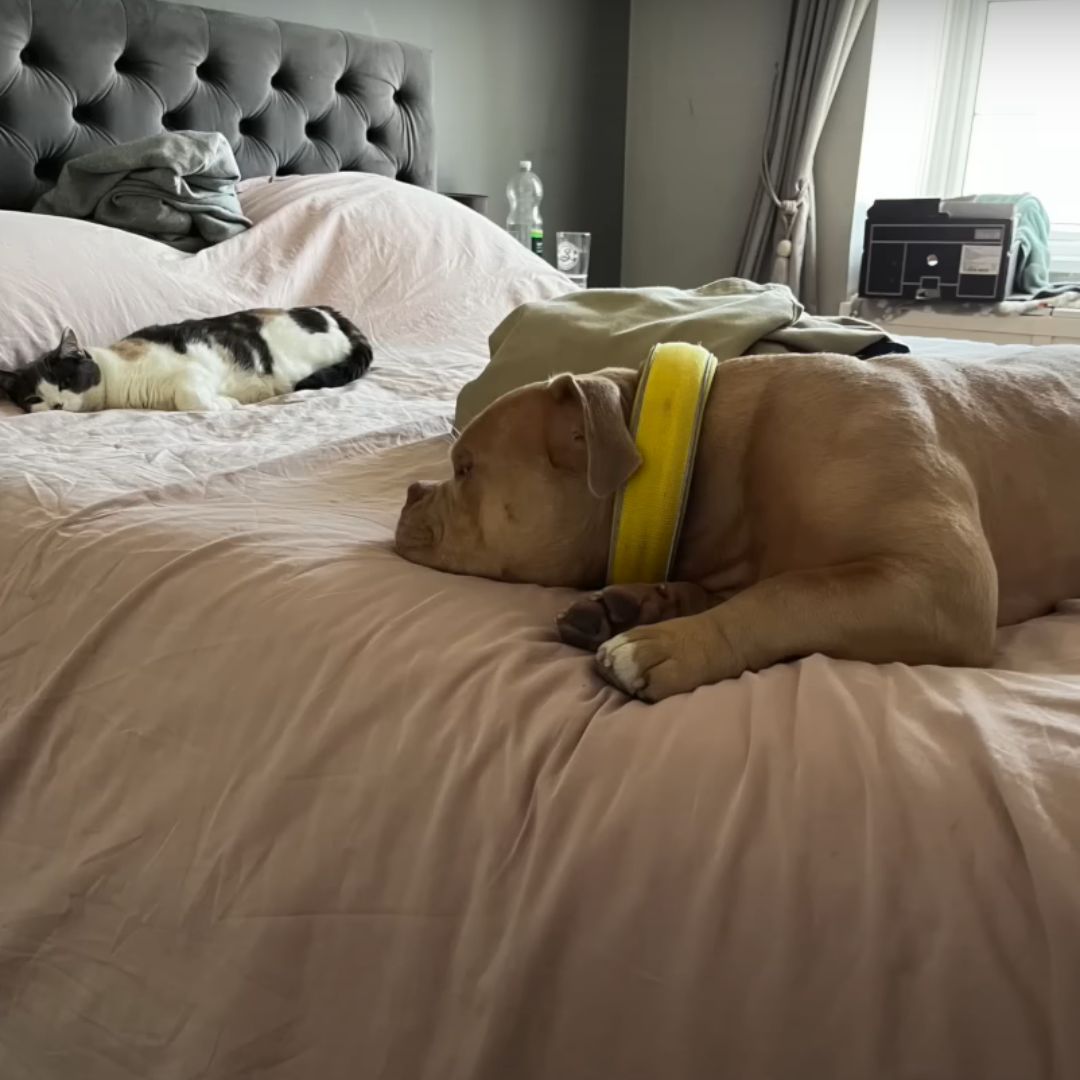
(275, 803)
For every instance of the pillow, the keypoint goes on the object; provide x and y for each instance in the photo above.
(413, 268)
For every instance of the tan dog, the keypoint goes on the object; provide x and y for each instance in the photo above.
(889, 510)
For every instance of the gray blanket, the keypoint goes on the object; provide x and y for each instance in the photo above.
(597, 328)
(178, 187)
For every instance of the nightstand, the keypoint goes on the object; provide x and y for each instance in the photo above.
(473, 202)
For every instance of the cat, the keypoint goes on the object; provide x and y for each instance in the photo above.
(201, 364)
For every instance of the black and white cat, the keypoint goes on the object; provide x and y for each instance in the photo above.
(202, 364)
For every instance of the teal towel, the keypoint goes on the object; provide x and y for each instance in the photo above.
(1033, 236)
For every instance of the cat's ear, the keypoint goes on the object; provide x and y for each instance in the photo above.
(69, 343)
(7, 382)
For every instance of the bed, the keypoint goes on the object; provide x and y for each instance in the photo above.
(275, 803)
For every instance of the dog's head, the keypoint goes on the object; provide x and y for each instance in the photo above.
(533, 489)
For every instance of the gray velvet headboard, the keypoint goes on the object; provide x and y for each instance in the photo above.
(76, 75)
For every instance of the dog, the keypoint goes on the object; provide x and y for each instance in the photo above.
(888, 510)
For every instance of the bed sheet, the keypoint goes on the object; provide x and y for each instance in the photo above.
(275, 803)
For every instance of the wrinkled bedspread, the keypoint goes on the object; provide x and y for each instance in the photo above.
(277, 804)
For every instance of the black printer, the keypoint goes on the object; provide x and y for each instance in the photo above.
(939, 249)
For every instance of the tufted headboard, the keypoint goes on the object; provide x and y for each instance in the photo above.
(76, 75)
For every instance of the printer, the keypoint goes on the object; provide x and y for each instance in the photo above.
(939, 249)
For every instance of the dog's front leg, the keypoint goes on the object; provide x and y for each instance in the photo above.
(599, 616)
(879, 611)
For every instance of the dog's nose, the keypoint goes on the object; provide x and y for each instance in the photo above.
(416, 492)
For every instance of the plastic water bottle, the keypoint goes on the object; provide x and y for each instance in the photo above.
(524, 222)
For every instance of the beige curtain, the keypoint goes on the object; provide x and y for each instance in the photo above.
(780, 243)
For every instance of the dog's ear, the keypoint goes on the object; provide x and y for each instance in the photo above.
(587, 432)
(7, 382)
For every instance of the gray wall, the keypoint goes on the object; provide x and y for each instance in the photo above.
(700, 75)
(544, 79)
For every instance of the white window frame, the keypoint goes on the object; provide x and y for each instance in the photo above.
(950, 140)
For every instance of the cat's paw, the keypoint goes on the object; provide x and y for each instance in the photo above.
(221, 404)
(194, 401)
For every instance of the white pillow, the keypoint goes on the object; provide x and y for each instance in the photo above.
(416, 270)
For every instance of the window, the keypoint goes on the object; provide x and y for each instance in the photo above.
(1005, 121)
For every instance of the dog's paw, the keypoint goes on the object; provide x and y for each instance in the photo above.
(596, 618)
(649, 662)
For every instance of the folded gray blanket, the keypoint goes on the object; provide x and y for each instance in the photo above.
(178, 187)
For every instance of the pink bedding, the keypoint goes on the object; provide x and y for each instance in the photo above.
(275, 803)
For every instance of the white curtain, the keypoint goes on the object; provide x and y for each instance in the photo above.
(780, 243)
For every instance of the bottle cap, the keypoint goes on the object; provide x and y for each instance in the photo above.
(526, 165)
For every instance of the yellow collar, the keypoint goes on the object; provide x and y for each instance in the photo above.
(665, 424)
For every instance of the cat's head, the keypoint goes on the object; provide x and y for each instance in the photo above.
(65, 378)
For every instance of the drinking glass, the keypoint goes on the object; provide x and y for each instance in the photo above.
(572, 255)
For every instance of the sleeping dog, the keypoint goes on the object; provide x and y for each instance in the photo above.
(894, 510)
